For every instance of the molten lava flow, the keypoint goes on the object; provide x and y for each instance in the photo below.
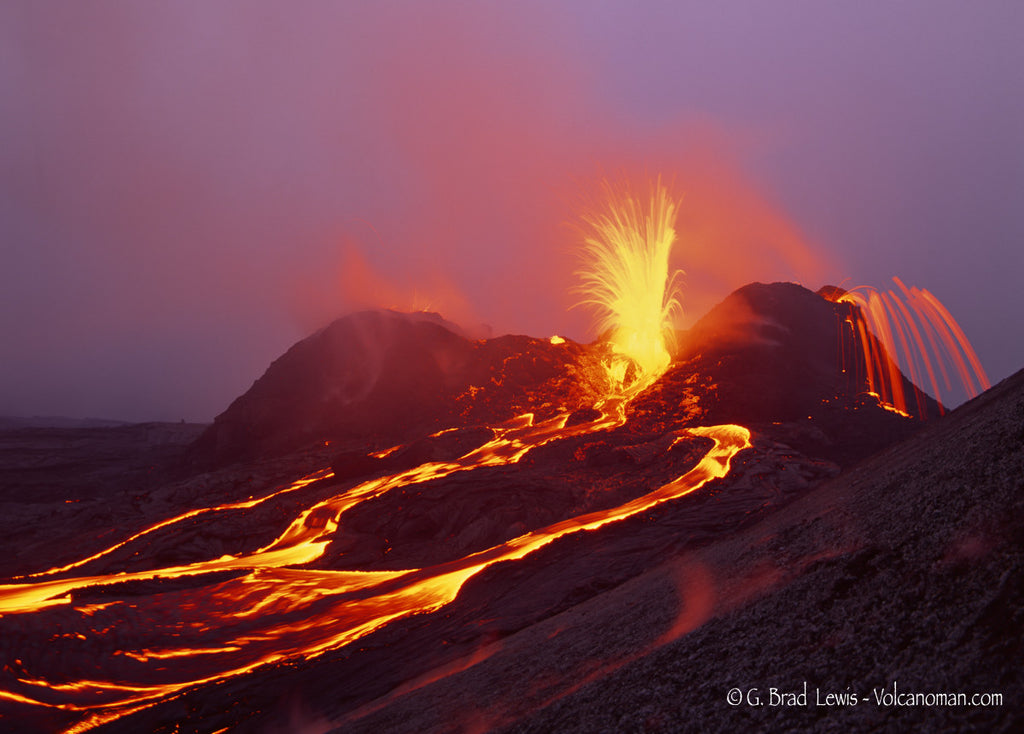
(627, 279)
(274, 612)
(910, 330)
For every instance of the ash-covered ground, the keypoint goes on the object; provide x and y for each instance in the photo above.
(903, 575)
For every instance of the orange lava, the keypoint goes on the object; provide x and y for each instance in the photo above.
(277, 611)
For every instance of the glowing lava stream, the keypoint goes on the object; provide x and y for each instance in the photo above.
(275, 613)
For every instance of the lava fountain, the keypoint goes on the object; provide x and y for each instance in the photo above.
(627, 280)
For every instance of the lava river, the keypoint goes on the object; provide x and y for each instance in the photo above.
(91, 663)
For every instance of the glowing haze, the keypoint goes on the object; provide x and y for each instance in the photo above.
(189, 188)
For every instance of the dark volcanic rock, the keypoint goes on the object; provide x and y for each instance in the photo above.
(776, 354)
(443, 446)
(379, 377)
(442, 520)
(772, 351)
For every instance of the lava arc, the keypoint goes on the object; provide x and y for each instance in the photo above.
(911, 330)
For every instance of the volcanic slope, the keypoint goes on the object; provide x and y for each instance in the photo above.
(378, 378)
(777, 359)
(766, 358)
(906, 571)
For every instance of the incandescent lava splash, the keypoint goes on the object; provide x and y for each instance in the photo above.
(627, 280)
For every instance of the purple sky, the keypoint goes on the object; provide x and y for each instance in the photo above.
(189, 188)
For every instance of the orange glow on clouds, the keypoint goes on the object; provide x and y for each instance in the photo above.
(728, 233)
(485, 161)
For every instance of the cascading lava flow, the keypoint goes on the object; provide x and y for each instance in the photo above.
(909, 330)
